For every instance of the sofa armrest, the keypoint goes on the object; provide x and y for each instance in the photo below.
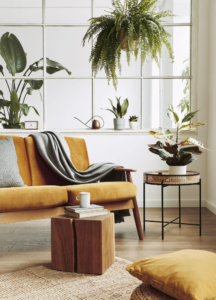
(124, 170)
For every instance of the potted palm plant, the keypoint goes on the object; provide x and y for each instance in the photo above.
(133, 122)
(180, 153)
(119, 111)
(132, 27)
(14, 108)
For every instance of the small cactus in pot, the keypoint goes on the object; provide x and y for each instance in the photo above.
(133, 121)
(119, 111)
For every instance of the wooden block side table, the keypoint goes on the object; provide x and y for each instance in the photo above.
(83, 245)
(164, 179)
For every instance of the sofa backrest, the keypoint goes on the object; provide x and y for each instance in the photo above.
(22, 159)
(42, 174)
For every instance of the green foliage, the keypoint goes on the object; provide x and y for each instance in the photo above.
(121, 109)
(14, 56)
(177, 154)
(133, 119)
(184, 104)
(139, 21)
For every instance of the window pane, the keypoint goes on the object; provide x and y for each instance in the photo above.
(31, 100)
(127, 88)
(180, 8)
(20, 11)
(157, 95)
(180, 42)
(68, 50)
(66, 99)
(62, 12)
(31, 40)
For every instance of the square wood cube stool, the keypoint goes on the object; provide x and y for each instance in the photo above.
(82, 245)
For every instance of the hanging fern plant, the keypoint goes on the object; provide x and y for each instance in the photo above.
(132, 27)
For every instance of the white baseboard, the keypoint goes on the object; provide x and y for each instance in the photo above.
(211, 207)
(174, 203)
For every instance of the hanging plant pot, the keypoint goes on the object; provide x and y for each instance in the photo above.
(124, 45)
(177, 170)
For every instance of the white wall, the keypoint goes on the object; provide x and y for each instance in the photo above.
(211, 161)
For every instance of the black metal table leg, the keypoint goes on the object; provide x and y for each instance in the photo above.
(162, 209)
(179, 206)
(144, 206)
(200, 207)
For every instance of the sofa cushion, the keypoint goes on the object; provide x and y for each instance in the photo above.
(22, 159)
(42, 174)
(103, 191)
(9, 170)
(30, 198)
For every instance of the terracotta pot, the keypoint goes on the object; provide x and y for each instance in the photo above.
(124, 45)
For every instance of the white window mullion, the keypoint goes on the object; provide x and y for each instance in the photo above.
(44, 64)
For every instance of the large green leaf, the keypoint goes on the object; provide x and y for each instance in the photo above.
(35, 110)
(5, 103)
(1, 93)
(35, 84)
(13, 54)
(195, 142)
(191, 124)
(25, 109)
(110, 111)
(15, 107)
(192, 149)
(49, 70)
(113, 107)
(172, 114)
(189, 116)
(4, 119)
(124, 107)
(57, 65)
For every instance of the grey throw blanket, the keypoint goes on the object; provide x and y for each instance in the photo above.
(55, 151)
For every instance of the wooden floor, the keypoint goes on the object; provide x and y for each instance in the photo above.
(27, 244)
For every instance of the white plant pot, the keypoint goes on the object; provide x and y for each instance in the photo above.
(177, 170)
(133, 125)
(119, 123)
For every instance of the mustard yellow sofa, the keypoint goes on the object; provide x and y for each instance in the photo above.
(46, 193)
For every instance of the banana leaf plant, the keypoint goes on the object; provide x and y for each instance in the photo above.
(14, 107)
(121, 109)
(179, 153)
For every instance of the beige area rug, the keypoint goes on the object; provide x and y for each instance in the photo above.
(43, 283)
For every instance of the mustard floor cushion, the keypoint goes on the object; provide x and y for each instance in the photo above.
(183, 275)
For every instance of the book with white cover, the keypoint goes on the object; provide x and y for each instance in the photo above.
(87, 214)
(77, 208)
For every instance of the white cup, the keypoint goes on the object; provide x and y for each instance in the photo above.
(84, 199)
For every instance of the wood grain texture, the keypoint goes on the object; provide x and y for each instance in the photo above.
(136, 211)
(95, 244)
(124, 170)
(29, 215)
(118, 205)
(63, 250)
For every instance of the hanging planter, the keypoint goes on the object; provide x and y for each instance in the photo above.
(132, 27)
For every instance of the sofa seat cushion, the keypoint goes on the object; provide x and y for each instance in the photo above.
(103, 191)
(30, 198)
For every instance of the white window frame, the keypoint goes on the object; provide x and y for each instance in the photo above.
(193, 69)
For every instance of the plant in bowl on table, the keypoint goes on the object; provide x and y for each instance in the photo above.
(177, 152)
(133, 120)
(119, 111)
(13, 108)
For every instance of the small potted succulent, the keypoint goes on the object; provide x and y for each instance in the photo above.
(119, 112)
(180, 153)
(133, 122)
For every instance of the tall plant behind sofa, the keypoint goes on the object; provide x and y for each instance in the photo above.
(14, 107)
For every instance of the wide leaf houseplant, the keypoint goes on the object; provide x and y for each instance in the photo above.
(132, 27)
(177, 152)
(14, 107)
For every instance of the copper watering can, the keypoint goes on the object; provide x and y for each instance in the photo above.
(95, 123)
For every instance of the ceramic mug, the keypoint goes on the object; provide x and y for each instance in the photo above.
(84, 199)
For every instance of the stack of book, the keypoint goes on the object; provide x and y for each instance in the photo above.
(85, 212)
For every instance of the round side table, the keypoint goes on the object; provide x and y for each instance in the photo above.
(164, 179)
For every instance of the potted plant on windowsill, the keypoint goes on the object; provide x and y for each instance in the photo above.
(119, 112)
(14, 108)
(133, 122)
(180, 153)
(132, 27)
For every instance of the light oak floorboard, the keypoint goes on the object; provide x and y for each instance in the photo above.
(28, 244)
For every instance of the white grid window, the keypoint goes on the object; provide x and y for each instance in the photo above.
(54, 29)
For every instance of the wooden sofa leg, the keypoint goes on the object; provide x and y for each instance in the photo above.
(136, 211)
(137, 219)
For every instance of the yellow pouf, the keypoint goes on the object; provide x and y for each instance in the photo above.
(147, 292)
